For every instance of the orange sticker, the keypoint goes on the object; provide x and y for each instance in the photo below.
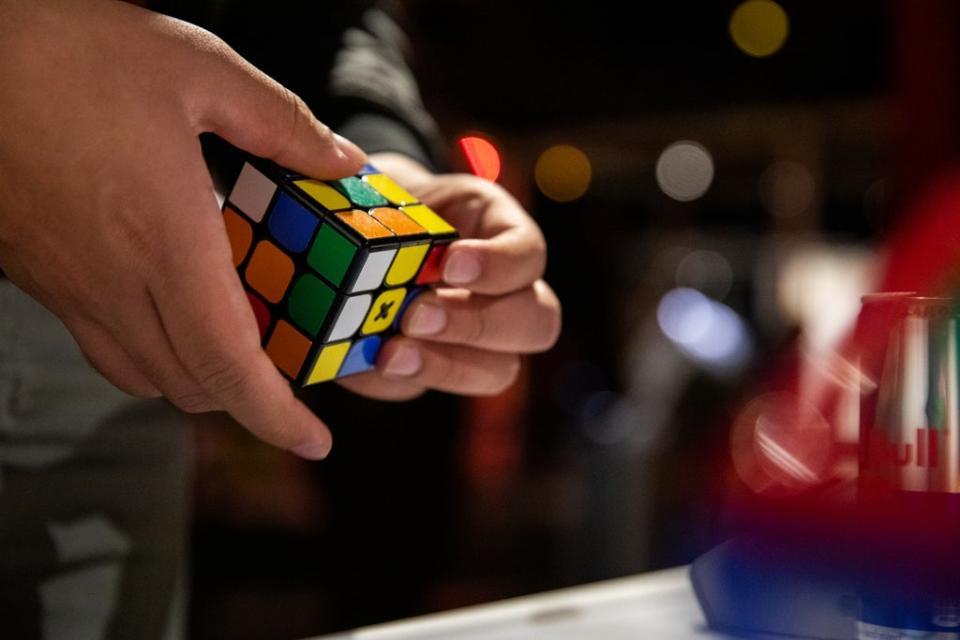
(397, 221)
(240, 234)
(288, 348)
(364, 224)
(269, 271)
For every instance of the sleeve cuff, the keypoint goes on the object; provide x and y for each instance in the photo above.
(376, 133)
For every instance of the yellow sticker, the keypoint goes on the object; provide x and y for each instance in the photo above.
(390, 189)
(324, 194)
(328, 362)
(406, 263)
(428, 219)
(383, 311)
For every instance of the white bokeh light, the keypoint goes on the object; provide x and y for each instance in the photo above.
(707, 331)
(684, 170)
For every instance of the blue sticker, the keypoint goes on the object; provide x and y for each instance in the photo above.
(292, 224)
(367, 170)
(361, 357)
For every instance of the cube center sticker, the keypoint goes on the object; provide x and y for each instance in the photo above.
(383, 310)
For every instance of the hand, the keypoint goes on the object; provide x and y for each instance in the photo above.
(466, 337)
(107, 211)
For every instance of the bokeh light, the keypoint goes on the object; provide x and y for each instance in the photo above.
(787, 189)
(563, 173)
(706, 271)
(759, 28)
(707, 331)
(482, 157)
(684, 170)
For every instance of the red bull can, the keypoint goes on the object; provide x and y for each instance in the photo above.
(908, 580)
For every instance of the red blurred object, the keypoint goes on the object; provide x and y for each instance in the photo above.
(926, 93)
(493, 442)
(482, 156)
(781, 445)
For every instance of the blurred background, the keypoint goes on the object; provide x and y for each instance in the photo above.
(714, 180)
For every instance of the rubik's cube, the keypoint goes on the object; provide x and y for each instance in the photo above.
(329, 266)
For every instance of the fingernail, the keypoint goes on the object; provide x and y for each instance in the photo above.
(405, 361)
(349, 149)
(427, 320)
(461, 268)
(313, 450)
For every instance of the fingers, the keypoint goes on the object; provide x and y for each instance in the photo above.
(375, 385)
(140, 333)
(462, 342)
(245, 106)
(447, 367)
(456, 316)
(503, 249)
(212, 332)
(505, 263)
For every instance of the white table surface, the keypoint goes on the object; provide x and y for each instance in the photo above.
(652, 605)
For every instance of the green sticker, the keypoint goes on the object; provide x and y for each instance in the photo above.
(331, 254)
(360, 193)
(309, 303)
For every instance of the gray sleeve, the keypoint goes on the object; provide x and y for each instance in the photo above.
(375, 94)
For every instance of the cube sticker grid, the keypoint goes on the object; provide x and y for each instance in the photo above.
(329, 267)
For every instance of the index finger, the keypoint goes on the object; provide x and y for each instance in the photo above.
(213, 332)
(503, 249)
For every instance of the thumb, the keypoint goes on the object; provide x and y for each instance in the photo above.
(253, 111)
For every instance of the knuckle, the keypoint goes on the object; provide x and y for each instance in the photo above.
(287, 118)
(281, 434)
(299, 117)
(479, 185)
(222, 379)
(131, 388)
(468, 181)
(135, 389)
(294, 112)
(136, 242)
(193, 401)
(145, 392)
(449, 373)
(323, 132)
(192, 40)
(472, 190)
(477, 327)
